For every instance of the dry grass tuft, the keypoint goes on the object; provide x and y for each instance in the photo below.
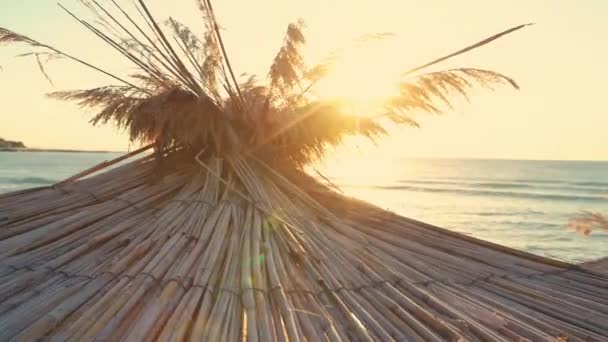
(185, 93)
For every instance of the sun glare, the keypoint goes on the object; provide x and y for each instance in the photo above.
(364, 78)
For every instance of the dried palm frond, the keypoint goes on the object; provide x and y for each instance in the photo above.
(467, 49)
(286, 69)
(186, 94)
(212, 67)
(427, 92)
(10, 37)
(41, 63)
(587, 221)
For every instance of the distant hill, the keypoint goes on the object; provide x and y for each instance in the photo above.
(18, 146)
(8, 144)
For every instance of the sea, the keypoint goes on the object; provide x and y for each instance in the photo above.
(518, 203)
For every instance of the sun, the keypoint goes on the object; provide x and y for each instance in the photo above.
(364, 78)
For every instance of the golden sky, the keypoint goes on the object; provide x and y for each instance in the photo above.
(560, 64)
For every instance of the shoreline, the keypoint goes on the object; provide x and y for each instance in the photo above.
(29, 150)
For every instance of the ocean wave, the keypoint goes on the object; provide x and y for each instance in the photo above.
(525, 181)
(473, 184)
(537, 225)
(585, 187)
(570, 183)
(499, 213)
(27, 180)
(511, 180)
(603, 184)
(512, 194)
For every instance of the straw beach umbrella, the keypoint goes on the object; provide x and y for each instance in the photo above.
(220, 234)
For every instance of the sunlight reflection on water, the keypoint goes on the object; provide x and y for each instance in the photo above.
(521, 204)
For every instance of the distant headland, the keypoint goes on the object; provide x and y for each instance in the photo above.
(18, 146)
(9, 144)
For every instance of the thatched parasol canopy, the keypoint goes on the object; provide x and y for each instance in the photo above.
(221, 235)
